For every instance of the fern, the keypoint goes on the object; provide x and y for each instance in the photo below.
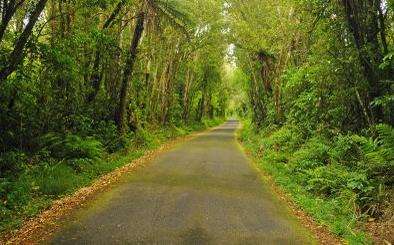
(71, 146)
(76, 147)
(51, 141)
(386, 139)
(169, 10)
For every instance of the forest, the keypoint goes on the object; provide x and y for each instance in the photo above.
(319, 92)
(87, 86)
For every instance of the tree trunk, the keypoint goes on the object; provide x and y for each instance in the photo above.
(168, 87)
(382, 27)
(96, 76)
(186, 95)
(163, 92)
(16, 56)
(128, 70)
(363, 24)
(8, 11)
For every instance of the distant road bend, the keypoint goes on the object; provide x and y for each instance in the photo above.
(204, 191)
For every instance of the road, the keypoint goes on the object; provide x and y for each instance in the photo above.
(204, 191)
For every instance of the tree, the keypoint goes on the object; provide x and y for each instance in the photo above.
(366, 21)
(16, 56)
(128, 69)
(157, 7)
(96, 76)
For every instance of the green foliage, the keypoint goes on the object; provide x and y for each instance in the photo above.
(312, 154)
(143, 138)
(288, 138)
(76, 147)
(321, 102)
(12, 162)
(55, 179)
(75, 150)
(386, 139)
(107, 134)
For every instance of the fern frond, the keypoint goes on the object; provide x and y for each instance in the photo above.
(386, 136)
(367, 145)
(169, 10)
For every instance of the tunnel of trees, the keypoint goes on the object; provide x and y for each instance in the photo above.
(312, 81)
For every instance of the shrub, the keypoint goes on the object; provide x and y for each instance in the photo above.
(314, 153)
(210, 122)
(76, 147)
(12, 162)
(377, 155)
(344, 151)
(107, 134)
(349, 164)
(81, 164)
(179, 131)
(14, 193)
(71, 146)
(287, 138)
(144, 138)
(333, 179)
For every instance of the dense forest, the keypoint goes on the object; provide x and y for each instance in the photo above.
(88, 85)
(83, 79)
(318, 77)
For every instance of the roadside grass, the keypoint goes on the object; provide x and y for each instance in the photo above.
(332, 192)
(38, 185)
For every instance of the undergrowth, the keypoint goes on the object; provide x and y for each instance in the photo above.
(340, 180)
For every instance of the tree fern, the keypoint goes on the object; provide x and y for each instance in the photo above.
(170, 11)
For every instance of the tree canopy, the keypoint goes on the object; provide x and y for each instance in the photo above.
(104, 72)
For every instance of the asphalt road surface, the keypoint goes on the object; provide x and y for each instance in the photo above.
(204, 191)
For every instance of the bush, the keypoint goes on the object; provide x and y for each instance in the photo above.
(144, 138)
(12, 162)
(13, 193)
(314, 153)
(211, 122)
(287, 138)
(107, 134)
(76, 147)
(344, 151)
(71, 146)
(81, 164)
(377, 155)
(333, 179)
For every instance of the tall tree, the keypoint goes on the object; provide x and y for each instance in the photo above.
(16, 56)
(128, 69)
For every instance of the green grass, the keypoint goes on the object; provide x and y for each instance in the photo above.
(271, 152)
(27, 194)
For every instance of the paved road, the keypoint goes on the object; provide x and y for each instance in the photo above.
(205, 191)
